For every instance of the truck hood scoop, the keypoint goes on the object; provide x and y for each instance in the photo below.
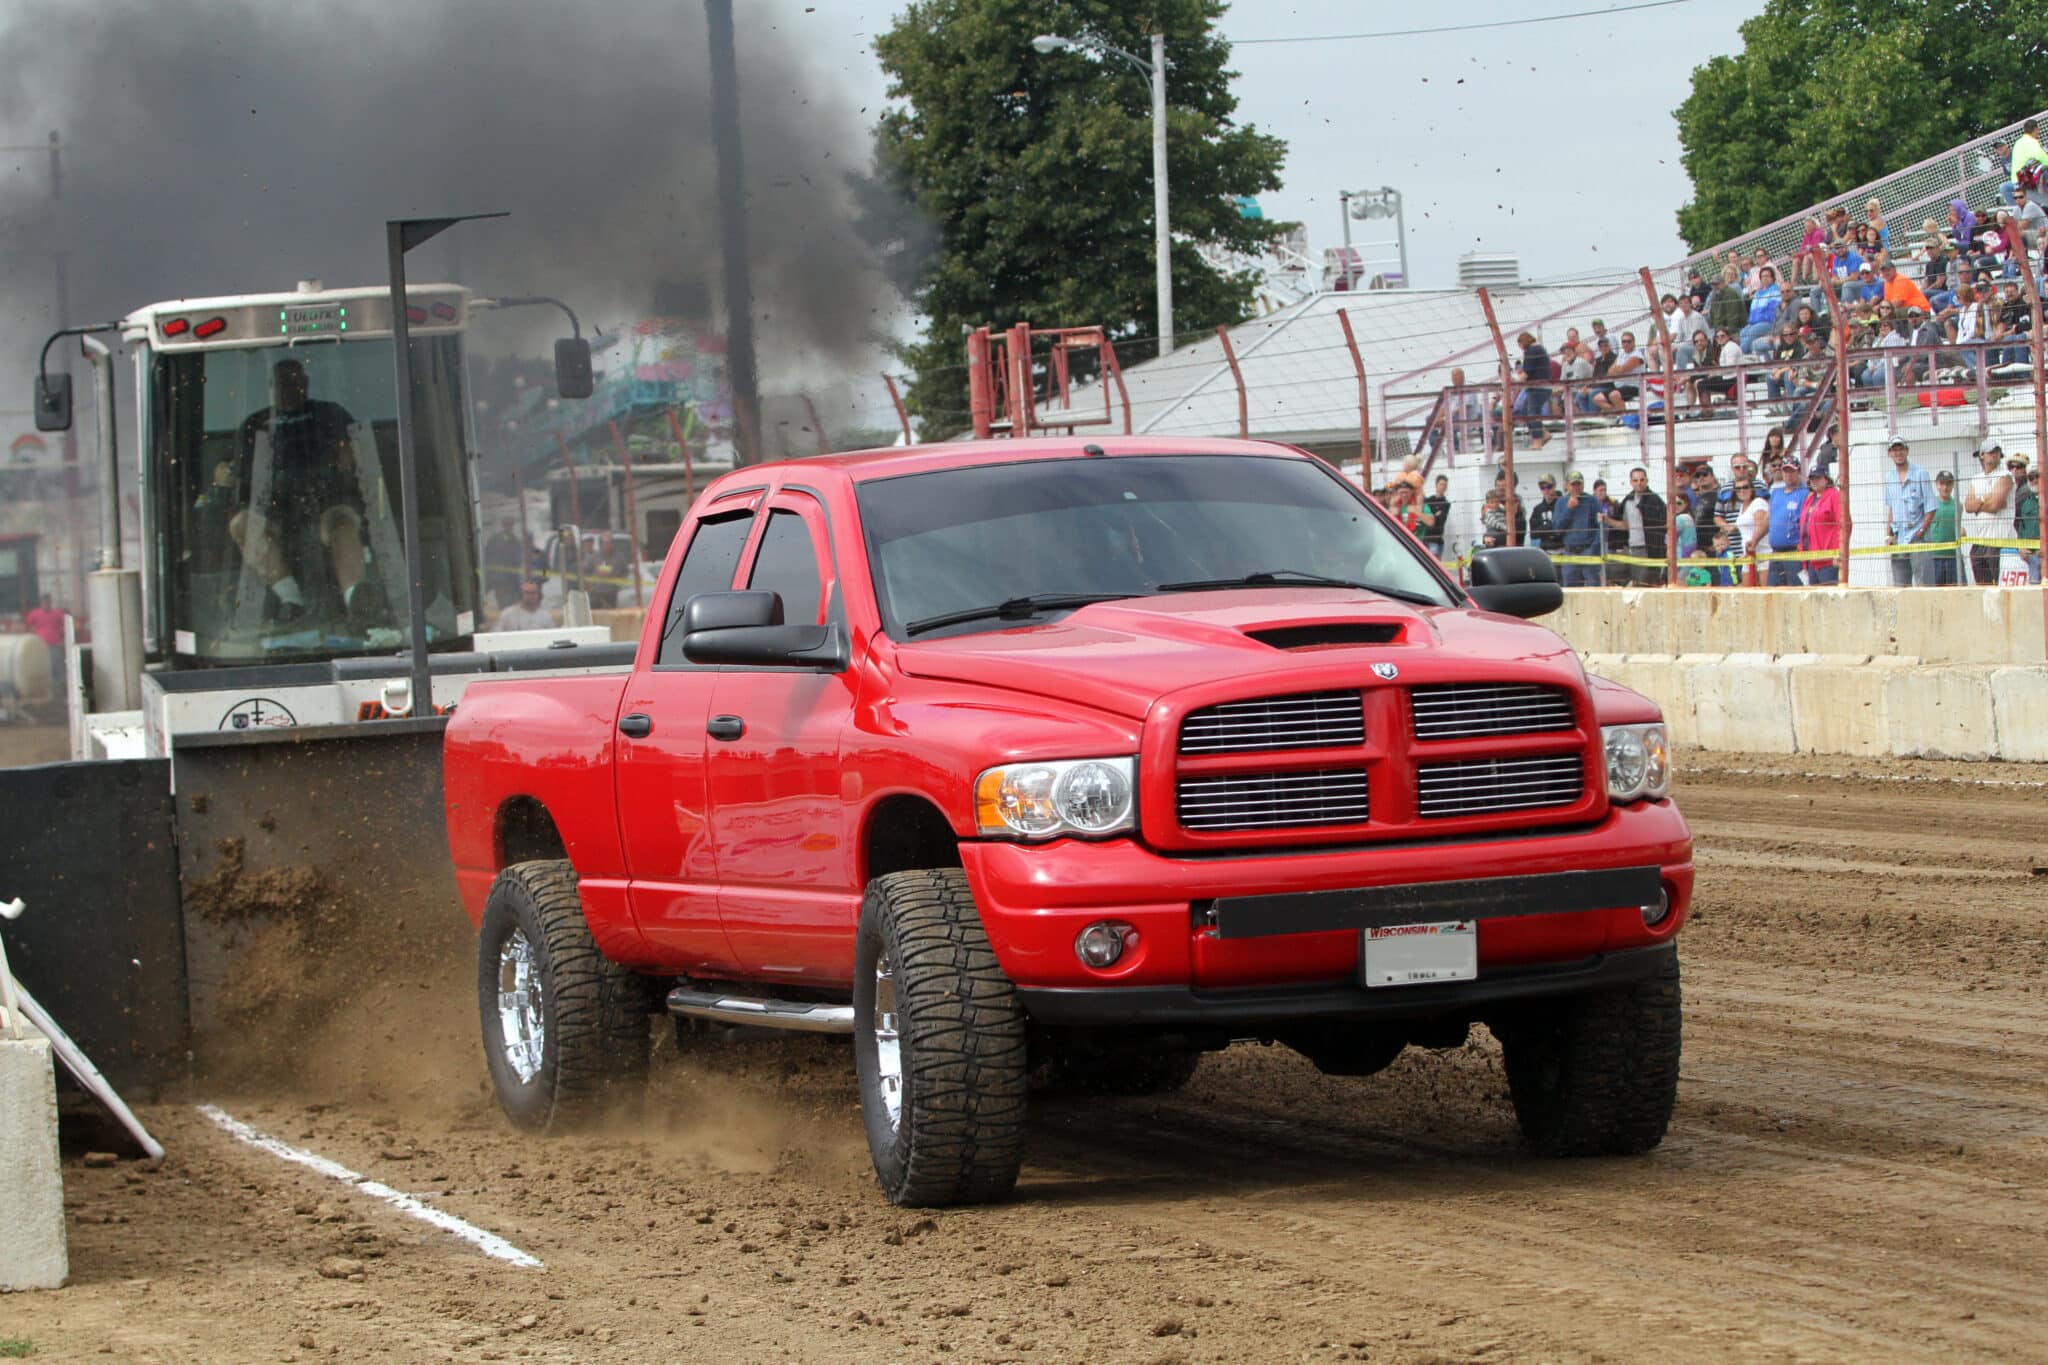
(1123, 656)
(1328, 634)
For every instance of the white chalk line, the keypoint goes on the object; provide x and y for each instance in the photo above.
(1869, 777)
(489, 1243)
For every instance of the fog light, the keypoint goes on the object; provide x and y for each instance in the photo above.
(1100, 945)
(1653, 915)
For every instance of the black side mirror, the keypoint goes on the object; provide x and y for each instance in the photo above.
(746, 628)
(53, 402)
(572, 368)
(1515, 580)
(731, 611)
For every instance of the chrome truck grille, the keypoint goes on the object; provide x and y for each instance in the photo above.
(1488, 786)
(1325, 796)
(1476, 710)
(1315, 720)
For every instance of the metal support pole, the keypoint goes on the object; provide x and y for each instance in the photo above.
(981, 394)
(1670, 433)
(902, 417)
(1507, 410)
(632, 513)
(395, 244)
(1358, 364)
(2034, 344)
(740, 368)
(1116, 373)
(1401, 235)
(1244, 426)
(1023, 391)
(1163, 243)
(1842, 451)
(569, 463)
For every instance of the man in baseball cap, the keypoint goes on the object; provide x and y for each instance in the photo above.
(1909, 501)
(1576, 519)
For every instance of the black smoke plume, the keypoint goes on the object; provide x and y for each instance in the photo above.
(221, 146)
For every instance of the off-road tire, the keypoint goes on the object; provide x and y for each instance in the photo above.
(1596, 1074)
(595, 1012)
(959, 1137)
(1098, 1073)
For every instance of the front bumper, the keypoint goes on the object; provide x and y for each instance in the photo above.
(1184, 1006)
(1211, 926)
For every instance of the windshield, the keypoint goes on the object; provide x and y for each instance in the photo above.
(961, 539)
(279, 498)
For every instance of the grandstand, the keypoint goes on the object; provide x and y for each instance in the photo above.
(1300, 384)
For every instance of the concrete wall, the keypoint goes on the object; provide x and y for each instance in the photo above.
(32, 1247)
(1877, 672)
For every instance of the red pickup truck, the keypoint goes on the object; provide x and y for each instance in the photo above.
(1048, 762)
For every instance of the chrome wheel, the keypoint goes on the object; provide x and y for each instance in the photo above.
(888, 1042)
(522, 1024)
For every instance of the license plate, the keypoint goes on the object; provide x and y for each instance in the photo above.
(1415, 954)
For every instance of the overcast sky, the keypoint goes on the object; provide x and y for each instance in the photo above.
(1552, 141)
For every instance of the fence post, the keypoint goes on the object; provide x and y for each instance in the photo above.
(1358, 364)
(981, 398)
(1116, 372)
(1244, 421)
(1510, 503)
(1670, 434)
(1983, 398)
(902, 417)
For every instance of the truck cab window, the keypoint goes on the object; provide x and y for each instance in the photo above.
(708, 566)
(787, 563)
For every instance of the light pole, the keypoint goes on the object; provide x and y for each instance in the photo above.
(1155, 72)
(1384, 202)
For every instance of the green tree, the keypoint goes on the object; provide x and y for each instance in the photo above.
(1034, 175)
(1828, 94)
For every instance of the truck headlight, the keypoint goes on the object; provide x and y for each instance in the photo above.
(1638, 762)
(1086, 796)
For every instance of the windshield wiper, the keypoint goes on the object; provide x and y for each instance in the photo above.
(1287, 578)
(1015, 609)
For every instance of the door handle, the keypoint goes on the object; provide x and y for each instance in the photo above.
(636, 725)
(725, 727)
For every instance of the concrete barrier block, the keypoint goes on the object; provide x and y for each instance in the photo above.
(1645, 618)
(1838, 704)
(1840, 621)
(2019, 710)
(32, 1248)
(1940, 711)
(1741, 702)
(2029, 626)
(1744, 623)
(1964, 626)
(1658, 677)
(624, 622)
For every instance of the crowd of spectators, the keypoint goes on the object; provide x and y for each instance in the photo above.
(1943, 298)
(1771, 523)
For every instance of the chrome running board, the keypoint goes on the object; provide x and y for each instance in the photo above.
(803, 1015)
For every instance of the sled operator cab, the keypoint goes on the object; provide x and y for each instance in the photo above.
(272, 510)
(274, 588)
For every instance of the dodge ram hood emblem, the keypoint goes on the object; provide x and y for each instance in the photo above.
(1385, 672)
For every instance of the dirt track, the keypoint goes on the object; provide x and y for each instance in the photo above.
(1856, 1171)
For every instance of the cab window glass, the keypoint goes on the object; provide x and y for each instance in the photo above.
(708, 566)
(788, 564)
